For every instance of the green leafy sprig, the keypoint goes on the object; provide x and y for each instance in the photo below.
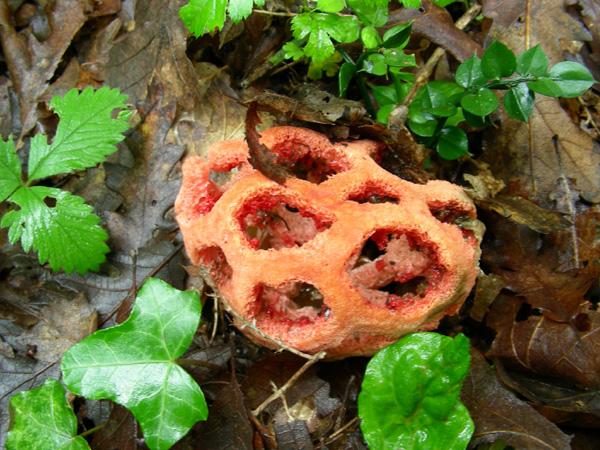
(55, 223)
(440, 106)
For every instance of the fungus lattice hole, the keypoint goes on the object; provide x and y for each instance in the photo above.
(394, 269)
(272, 223)
(293, 303)
(373, 195)
(303, 164)
(453, 216)
(215, 260)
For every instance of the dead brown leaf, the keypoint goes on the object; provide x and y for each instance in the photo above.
(32, 63)
(530, 267)
(293, 436)
(499, 414)
(542, 345)
(120, 431)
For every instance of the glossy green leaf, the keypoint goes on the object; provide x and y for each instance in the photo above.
(572, 78)
(481, 103)
(203, 16)
(397, 37)
(370, 14)
(452, 143)
(410, 395)
(498, 61)
(330, 6)
(239, 9)
(375, 64)
(59, 225)
(476, 121)
(397, 58)
(532, 62)
(10, 169)
(86, 132)
(411, 3)
(444, 3)
(321, 29)
(469, 73)
(370, 37)
(387, 95)
(384, 113)
(293, 51)
(435, 101)
(43, 420)
(518, 102)
(347, 72)
(545, 86)
(134, 364)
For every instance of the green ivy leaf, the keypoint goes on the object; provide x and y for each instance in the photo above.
(43, 420)
(410, 395)
(518, 102)
(397, 37)
(532, 62)
(10, 169)
(481, 103)
(453, 143)
(59, 225)
(469, 73)
(572, 78)
(347, 72)
(370, 14)
(203, 16)
(321, 29)
(86, 132)
(498, 61)
(330, 6)
(134, 364)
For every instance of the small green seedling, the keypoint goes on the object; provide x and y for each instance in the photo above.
(133, 364)
(410, 395)
(54, 222)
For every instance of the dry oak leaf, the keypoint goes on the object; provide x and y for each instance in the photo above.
(544, 346)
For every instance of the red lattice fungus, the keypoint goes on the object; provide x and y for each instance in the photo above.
(345, 258)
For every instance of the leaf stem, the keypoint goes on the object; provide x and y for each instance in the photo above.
(360, 80)
(91, 431)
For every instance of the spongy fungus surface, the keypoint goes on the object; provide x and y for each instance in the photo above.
(345, 258)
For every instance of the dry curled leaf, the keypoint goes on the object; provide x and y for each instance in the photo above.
(542, 345)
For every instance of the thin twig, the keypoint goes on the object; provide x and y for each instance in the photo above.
(279, 392)
(426, 71)
(33, 376)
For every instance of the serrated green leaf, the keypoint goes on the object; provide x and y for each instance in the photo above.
(293, 51)
(518, 102)
(330, 6)
(452, 143)
(572, 78)
(43, 420)
(330, 66)
(134, 364)
(66, 234)
(481, 103)
(532, 62)
(498, 61)
(10, 169)
(370, 37)
(372, 15)
(239, 9)
(203, 16)
(410, 395)
(321, 29)
(469, 73)
(86, 132)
